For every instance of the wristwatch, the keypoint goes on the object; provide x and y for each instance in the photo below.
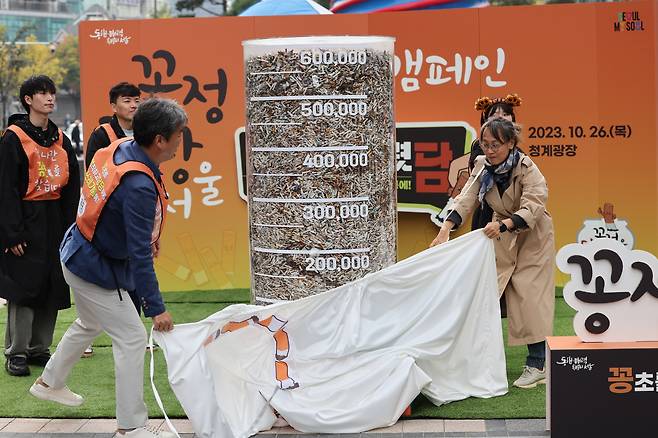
(503, 227)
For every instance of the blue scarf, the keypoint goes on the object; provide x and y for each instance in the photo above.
(498, 174)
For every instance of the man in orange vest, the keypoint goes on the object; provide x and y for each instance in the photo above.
(39, 191)
(109, 251)
(124, 98)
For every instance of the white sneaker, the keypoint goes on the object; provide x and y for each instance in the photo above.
(144, 432)
(63, 395)
(530, 378)
(89, 351)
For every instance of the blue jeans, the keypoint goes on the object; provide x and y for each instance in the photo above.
(536, 355)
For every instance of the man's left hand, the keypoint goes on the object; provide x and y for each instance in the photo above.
(163, 322)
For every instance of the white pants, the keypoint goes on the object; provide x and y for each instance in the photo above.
(101, 310)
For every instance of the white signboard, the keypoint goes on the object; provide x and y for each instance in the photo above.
(613, 289)
(607, 226)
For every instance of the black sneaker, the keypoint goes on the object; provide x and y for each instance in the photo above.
(39, 359)
(17, 366)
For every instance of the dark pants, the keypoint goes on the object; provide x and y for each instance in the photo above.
(29, 330)
(536, 355)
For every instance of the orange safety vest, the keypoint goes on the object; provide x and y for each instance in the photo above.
(102, 177)
(110, 132)
(48, 167)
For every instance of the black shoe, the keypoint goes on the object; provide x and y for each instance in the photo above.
(17, 366)
(39, 359)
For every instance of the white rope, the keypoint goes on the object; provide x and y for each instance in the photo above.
(155, 391)
(463, 191)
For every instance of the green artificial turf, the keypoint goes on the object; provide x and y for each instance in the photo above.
(94, 377)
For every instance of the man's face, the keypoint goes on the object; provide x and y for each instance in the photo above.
(125, 107)
(169, 147)
(42, 102)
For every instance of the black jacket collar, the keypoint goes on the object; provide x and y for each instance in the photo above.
(43, 138)
(114, 123)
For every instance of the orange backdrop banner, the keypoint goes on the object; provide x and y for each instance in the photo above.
(586, 74)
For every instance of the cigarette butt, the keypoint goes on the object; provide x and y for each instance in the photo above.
(193, 260)
(172, 267)
(214, 266)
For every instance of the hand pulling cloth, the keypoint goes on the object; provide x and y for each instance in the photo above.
(350, 359)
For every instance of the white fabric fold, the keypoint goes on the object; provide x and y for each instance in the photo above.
(359, 353)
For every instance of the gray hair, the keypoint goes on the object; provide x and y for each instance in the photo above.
(157, 116)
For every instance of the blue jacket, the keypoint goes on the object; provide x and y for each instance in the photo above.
(120, 255)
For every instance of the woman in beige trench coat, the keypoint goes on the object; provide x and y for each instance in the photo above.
(522, 231)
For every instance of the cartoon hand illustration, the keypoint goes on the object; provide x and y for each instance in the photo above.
(461, 182)
(608, 214)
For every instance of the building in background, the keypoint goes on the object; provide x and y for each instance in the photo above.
(47, 17)
(136, 9)
(119, 9)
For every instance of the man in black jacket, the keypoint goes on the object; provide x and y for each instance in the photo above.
(124, 98)
(39, 192)
(76, 137)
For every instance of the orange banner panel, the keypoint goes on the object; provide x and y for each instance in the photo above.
(586, 74)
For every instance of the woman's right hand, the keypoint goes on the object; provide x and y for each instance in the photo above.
(442, 237)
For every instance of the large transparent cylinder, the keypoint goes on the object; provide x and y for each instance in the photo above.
(320, 170)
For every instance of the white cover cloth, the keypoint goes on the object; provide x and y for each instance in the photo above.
(360, 353)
